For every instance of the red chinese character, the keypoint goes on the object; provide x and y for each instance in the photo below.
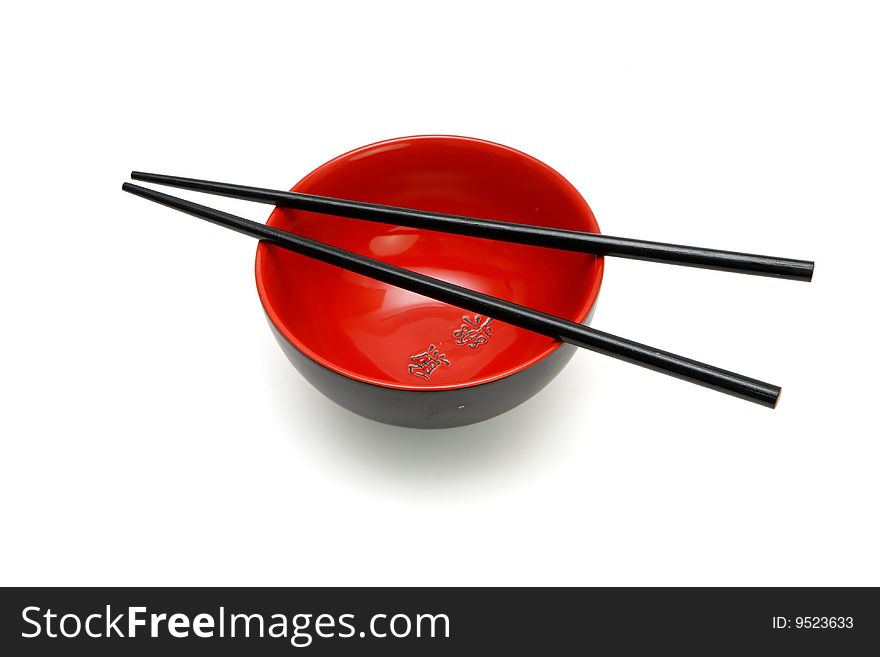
(473, 332)
(426, 362)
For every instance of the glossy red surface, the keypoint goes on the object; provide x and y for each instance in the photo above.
(380, 334)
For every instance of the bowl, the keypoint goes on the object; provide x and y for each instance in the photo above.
(398, 357)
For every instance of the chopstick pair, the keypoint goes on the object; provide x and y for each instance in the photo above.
(737, 385)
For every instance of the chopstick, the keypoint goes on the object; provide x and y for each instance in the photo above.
(556, 327)
(557, 238)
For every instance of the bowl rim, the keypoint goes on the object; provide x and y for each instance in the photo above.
(290, 337)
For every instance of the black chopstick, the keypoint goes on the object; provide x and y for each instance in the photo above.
(562, 329)
(557, 238)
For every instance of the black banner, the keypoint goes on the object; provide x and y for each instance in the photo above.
(438, 621)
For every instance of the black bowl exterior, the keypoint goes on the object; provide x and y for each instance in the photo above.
(429, 409)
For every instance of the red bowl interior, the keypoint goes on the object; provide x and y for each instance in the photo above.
(386, 336)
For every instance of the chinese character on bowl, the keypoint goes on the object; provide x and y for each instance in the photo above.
(474, 331)
(426, 362)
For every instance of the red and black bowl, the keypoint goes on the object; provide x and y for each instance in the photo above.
(404, 359)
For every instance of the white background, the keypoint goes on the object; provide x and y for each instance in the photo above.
(153, 432)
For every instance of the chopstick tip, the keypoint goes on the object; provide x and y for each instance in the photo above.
(776, 400)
